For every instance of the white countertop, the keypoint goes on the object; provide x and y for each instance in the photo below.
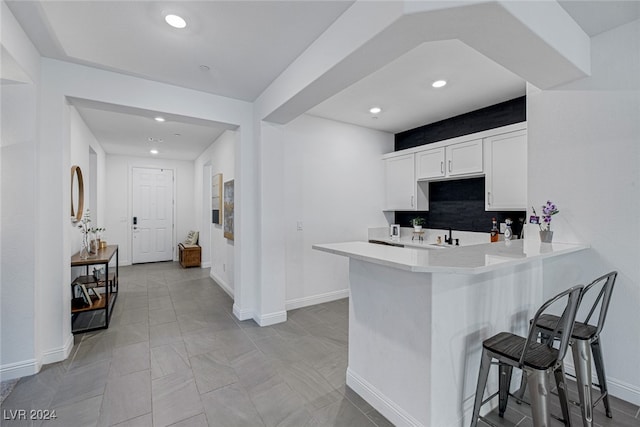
(472, 259)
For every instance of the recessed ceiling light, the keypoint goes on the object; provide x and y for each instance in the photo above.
(175, 21)
(375, 110)
(154, 151)
(159, 119)
(439, 83)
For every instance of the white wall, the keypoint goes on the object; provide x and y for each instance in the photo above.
(330, 180)
(118, 216)
(20, 292)
(217, 158)
(81, 141)
(584, 155)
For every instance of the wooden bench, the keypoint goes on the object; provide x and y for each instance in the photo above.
(190, 255)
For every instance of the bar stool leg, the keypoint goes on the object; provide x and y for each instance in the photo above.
(539, 395)
(598, 360)
(503, 387)
(582, 361)
(485, 364)
(562, 394)
(519, 394)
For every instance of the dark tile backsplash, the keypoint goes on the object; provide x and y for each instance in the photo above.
(459, 204)
(494, 116)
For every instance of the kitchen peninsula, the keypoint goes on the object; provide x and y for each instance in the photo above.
(417, 319)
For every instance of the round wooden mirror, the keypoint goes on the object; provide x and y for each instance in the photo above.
(77, 194)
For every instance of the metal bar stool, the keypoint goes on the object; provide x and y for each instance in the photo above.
(536, 359)
(585, 346)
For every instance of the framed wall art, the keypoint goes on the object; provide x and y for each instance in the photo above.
(216, 199)
(228, 210)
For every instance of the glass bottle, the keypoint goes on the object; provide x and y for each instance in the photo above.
(494, 230)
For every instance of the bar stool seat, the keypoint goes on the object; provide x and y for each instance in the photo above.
(536, 359)
(581, 331)
(585, 346)
(511, 346)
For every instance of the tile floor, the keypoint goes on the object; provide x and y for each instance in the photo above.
(174, 355)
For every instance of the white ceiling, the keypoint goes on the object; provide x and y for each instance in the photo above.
(246, 45)
(403, 89)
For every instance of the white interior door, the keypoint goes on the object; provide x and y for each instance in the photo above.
(152, 225)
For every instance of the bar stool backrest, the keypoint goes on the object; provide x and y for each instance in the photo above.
(605, 283)
(564, 326)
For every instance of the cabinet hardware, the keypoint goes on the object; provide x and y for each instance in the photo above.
(449, 166)
(489, 198)
(442, 167)
(411, 201)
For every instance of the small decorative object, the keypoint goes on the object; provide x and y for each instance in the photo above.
(90, 236)
(548, 210)
(508, 233)
(85, 249)
(394, 232)
(417, 223)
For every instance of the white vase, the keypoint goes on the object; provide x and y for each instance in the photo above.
(417, 228)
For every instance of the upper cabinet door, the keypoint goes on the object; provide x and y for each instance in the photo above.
(400, 183)
(464, 158)
(506, 172)
(430, 164)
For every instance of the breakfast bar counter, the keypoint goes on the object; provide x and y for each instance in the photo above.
(417, 319)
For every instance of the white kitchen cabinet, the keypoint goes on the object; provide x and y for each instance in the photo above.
(402, 192)
(506, 171)
(464, 158)
(455, 160)
(430, 163)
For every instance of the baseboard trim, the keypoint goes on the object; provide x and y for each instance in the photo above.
(220, 281)
(271, 318)
(205, 265)
(58, 354)
(24, 368)
(242, 314)
(380, 402)
(292, 304)
(620, 389)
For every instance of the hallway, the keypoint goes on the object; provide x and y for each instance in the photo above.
(175, 355)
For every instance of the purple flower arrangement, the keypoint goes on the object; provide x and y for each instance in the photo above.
(547, 211)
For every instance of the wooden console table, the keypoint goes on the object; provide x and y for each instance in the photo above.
(103, 286)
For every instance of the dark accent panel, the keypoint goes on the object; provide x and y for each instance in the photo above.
(459, 204)
(503, 114)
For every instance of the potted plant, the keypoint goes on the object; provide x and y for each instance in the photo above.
(546, 235)
(417, 223)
